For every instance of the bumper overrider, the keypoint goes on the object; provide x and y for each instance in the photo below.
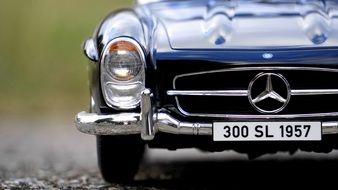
(147, 123)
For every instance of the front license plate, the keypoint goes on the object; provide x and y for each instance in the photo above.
(267, 131)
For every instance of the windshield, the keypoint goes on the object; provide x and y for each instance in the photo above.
(153, 1)
(146, 1)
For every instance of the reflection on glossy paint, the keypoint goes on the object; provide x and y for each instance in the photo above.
(247, 24)
(218, 22)
(218, 29)
(317, 27)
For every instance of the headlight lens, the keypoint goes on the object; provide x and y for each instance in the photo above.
(123, 62)
(122, 73)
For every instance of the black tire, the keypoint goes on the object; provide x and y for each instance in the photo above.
(119, 157)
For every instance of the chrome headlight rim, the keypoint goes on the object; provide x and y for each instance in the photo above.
(107, 79)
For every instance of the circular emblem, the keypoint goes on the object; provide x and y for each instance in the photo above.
(269, 92)
(267, 55)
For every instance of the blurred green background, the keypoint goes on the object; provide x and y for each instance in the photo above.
(42, 67)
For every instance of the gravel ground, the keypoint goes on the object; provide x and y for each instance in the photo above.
(51, 154)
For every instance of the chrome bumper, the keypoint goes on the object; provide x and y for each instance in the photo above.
(148, 123)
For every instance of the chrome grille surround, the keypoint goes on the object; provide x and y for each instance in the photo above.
(244, 92)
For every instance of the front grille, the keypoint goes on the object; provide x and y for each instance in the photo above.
(238, 79)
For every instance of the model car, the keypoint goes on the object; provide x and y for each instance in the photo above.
(256, 76)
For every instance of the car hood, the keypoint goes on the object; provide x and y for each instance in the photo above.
(246, 24)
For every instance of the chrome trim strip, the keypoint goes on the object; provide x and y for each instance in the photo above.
(207, 92)
(313, 92)
(304, 92)
(129, 123)
(237, 116)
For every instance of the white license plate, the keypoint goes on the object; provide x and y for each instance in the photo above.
(267, 131)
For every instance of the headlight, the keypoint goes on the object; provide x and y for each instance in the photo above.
(123, 61)
(122, 73)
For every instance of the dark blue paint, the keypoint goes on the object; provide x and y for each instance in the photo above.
(317, 56)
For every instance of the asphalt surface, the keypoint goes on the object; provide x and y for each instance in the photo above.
(51, 154)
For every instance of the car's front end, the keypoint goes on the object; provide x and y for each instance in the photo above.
(255, 76)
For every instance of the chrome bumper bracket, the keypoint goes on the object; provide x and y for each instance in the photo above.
(147, 127)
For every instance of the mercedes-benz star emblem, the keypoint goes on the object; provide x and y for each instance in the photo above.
(268, 98)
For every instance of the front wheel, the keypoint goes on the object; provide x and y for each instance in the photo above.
(119, 157)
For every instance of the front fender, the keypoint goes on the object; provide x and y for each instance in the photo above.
(119, 23)
(124, 22)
